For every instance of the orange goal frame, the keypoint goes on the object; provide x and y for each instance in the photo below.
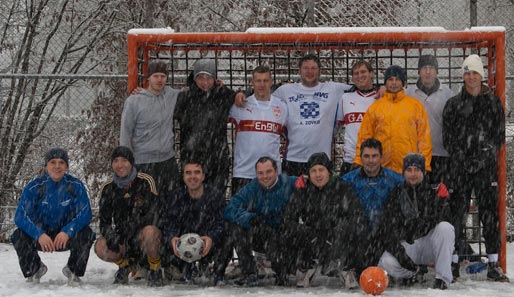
(403, 45)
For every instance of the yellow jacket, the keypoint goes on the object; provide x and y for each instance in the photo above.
(400, 123)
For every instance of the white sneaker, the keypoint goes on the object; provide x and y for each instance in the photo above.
(304, 278)
(349, 279)
(36, 277)
(73, 280)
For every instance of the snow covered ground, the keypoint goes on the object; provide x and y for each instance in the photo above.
(99, 276)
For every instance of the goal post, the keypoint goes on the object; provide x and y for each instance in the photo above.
(237, 53)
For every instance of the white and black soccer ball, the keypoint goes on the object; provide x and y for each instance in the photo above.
(190, 247)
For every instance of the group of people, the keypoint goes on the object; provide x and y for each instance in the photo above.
(412, 157)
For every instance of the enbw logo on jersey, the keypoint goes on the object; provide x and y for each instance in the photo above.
(309, 110)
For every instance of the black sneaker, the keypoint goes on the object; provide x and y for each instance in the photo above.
(440, 284)
(121, 276)
(36, 277)
(495, 273)
(455, 271)
(218, 280)
(249, 280)
(154, 278)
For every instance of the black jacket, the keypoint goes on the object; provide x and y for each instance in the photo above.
(473, 129)
(203, 216)
(124, 212)
(410, 213)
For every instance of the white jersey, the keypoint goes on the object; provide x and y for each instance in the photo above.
(259, 125)
(434, 105)
(311, 118)
(352, 108)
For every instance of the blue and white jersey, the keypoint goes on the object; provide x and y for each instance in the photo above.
(311, 118)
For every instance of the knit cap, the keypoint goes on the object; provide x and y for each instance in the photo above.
(414, 159)
(56, 153)
(319, 159)
(428, 60)
(473, 63)
(206, 66)
(395, 71)
(123, 151)
(156, 67)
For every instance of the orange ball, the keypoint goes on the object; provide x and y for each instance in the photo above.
(374, 280)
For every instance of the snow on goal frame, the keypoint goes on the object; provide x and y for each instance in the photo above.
(237, 53)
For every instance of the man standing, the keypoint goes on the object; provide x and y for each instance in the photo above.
(53, 215)
(312, 109)
(433, 95)
(372, 184)
(352, 107)
(195, 208)
(415, 228)
(398, 121)
(473, 133)
(129, 220)
(323, 221)
(259, 125)
(147, 127)
(202, 114)
(255, 215)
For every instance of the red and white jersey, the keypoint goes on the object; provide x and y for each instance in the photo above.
(311, 118)
(259, 125)
(352, 108)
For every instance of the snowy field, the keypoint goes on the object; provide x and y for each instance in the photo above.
(99, 276)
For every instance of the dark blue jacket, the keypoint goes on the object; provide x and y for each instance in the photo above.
(253, 200)
(373, 191)
(47, 206)
(202, 216)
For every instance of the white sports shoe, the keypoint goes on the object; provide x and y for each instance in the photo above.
(349, 279)
(304, 277)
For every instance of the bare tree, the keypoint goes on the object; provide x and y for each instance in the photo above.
(52, 38)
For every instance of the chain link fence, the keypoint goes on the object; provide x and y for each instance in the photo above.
(63, 66)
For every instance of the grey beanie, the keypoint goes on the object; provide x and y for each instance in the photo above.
(156, 67)
(57, 153)
(207, 66)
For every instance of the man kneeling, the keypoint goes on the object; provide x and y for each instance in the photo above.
(129, 216)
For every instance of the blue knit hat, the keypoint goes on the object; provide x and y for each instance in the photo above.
(397, 72)
(414, 159)
(56, 153)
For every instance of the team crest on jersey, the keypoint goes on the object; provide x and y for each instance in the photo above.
(309, 110)
(277, 112)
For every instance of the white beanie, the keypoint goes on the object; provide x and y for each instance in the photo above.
(473, 63)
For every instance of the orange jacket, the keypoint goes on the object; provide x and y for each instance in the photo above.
(400, 123)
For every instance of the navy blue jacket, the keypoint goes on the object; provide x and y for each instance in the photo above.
(46, 206)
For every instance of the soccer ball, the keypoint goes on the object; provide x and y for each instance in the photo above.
(190, 247)
(374, 280)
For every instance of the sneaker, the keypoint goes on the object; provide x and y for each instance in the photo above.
(440, 284)
(495, 273)
(349, 279)
(36, 277)
(154, 278)
(455, 271)
(73, 279)
(249, 280)
(218, 280)
(304, 277)
(121, 276)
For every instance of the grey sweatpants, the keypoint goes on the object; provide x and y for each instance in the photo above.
(434, 248)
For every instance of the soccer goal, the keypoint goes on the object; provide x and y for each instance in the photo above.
(237, 53)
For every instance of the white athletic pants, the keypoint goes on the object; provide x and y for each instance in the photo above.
(434, 248)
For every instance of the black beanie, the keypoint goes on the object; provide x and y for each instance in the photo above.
(319, 159)
(56, 153)
(397, 72)
(123, 151)
(414, 159)
(156, 66)
(428, 60)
